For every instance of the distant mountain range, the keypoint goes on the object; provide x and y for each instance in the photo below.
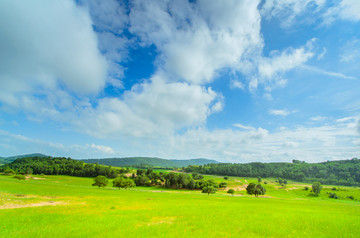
(129, 161)
(149, 161)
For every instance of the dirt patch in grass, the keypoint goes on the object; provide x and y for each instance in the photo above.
(39, 204)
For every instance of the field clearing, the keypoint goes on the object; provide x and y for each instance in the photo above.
(71, 207)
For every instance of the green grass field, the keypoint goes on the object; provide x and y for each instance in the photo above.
(64, 206)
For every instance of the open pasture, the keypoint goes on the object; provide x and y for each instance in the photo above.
(64, 206)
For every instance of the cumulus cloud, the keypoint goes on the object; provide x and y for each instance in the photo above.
(110, 20)
(151, 109)
(102, 148)
(197, 39)
(236, 84)
(44, 44)
(250, 144)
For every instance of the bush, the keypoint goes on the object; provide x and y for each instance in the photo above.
(20, 177)
(265, 182)
(8, 171)
(209, 189)
(333, 195)
(306, 188)
(222, 185)
(226, 177)
(350, 197)
(231, 191)
(333, 189)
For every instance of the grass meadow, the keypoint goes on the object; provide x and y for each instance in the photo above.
(64, 206)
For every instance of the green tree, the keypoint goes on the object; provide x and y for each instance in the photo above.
(231, 191)
(100, 181)
(316, 187)
(250, 189)
(255, 189)
(259, 179)
(222, 185)
(209, 189)
(259, 190)
(121, 182)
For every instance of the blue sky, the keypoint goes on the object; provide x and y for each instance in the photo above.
(235, 81)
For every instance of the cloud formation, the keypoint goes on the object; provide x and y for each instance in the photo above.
(46, 45)
(196, 39)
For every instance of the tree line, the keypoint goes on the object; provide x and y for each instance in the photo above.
(60, 166)
(344, 172)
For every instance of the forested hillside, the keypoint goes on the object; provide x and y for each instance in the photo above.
(145, 162)
(343, 172)
(5, 160)
(60, 166)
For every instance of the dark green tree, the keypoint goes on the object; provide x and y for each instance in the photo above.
(250, 189)
(222, 185)
(259, 190)
(209, 189)
(316, 187)
(231, 191)
(100, 181)
(121, 182)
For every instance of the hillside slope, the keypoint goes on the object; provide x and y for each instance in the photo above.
(5, 160)
(149, 161)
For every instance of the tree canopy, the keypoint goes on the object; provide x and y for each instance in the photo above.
(344, 172)
(100, 181)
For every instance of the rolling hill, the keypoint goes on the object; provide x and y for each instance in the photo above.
(6, 160)
(149, 161)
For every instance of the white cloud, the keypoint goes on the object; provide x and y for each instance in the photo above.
(345, 10)
(16, 144)
(313, 144)
(110, 20)
(280, 112)
(289, 10)
(271, 68)
(151, 109)
(350, 51)
(102, 148)
(44, 44)
(238, 125)
(350, 10)
(318, 118)
(328, 73)
(236, 84)
(345, 119)
(195, 40)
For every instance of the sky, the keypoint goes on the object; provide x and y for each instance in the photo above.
(234, 80)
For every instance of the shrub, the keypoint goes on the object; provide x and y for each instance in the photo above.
(222, 185)
(306, 188)
(333, 189)
(333, 195)
(20, 177)
(350, 197)
(231, 191)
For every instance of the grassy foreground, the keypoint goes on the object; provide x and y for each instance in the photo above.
(63, 206)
